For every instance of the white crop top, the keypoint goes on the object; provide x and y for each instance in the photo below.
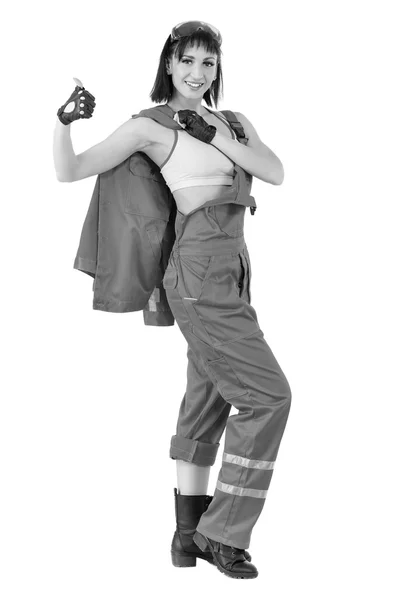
(192, 162)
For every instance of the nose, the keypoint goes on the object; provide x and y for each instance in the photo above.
(197, 74)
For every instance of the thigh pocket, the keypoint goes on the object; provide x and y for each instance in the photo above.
(225, 378)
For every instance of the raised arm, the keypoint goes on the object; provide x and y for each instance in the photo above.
(130, 137)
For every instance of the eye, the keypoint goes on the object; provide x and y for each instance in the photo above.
(185, 60)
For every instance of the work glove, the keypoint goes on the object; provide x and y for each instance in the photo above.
(81, 103)
(196, 125)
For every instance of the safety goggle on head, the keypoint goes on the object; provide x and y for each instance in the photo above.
(189, 27)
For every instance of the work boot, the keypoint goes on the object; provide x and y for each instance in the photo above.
(188, 511)
(229, 560)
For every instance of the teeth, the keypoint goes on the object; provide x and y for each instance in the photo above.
(193, 85)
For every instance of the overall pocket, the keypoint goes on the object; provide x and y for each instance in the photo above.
(222, 313)
(248, 265)
(230, 218)
(240, 286)
(195, 271)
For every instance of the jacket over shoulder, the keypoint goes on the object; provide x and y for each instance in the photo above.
(129, 232)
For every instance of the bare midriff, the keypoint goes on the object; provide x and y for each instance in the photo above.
(158, 149)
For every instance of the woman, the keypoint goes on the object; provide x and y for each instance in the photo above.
(207, 283)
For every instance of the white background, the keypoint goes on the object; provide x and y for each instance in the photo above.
(90, 399)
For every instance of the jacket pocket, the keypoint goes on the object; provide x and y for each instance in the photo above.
(147, 193)
(140, 164)
(155, 235)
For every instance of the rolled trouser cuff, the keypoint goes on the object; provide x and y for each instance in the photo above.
(194, 451)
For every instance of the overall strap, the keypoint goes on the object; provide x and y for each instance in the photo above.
(236, 125)
(238, 129)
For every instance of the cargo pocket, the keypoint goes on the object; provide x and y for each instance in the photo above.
(225, 378)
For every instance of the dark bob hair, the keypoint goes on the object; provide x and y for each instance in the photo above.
(163, 87)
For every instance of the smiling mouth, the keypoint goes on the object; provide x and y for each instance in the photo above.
(194, 87)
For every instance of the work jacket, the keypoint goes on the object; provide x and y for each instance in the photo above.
(129, 230)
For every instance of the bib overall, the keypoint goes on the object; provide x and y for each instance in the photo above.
(207, 283)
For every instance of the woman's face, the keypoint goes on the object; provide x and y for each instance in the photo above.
(197, 66)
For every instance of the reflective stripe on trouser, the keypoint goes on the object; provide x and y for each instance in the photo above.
(207, 283)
